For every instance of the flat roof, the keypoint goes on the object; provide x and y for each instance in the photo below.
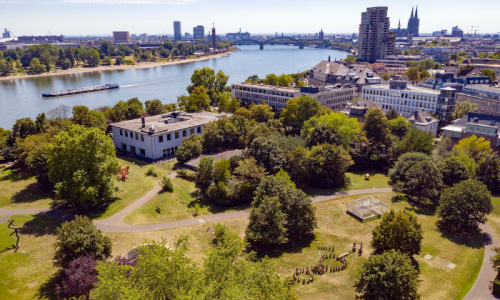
(408, 88)
(183, 121)
(274, 87)
(195, 162)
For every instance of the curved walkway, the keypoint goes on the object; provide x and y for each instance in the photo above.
(481, 290)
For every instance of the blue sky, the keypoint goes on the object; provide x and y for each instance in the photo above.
(75, 17)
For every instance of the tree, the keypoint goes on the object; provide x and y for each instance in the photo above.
(386, 76)
(190, 148)
(391, 114)
(134, 109)
(284, 80)
(266, 150)
(206, 170)
(92, 58)
(473, 146)
(413, 73)
(244, 112)
(118, 60)
(271, 79)
(376, 126)
(107, 60)
(424, 75)
(464, 70)
(262, 112)
(78, 279)
(323, 134)
(426, 64)
(82, 162)
(198, 100)
(443, 148)
(453, 171)
(399, 231)
(80, 238)
(88, 118)
(464, 206)
(213, 84)
(32, 154)
(154, 107)
(389, 276)
(250, 172)
(36, 67)
(425, 181)
(492, 164)
(398, 174)
(266, 223)
(222, 171)
(490, 73)
(347, 128)
(167, 184)
(416, 140)
(299, 110)
(411, 63)
(462, 108)
(327, 166)
(444, 43)
(233, 105)
(399, 126)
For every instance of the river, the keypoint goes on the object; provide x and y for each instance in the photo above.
(21, 98)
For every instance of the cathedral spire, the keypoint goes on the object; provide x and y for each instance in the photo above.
(416, 13)
(411, 13)
(399, 25)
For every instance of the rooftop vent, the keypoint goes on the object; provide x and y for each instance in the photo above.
(152, 129)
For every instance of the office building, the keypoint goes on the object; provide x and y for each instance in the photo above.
(446, 102)
(398, 61)
(238, 36)
(6, 34)
(486, 97)
(321, 34)
(422, 120)
(481, 125)
(439, 55)
(403, 98)
(177, 31)
(121, 37)
(144, 37)
(482, 64)
(333, 97)
(198, 32)
(376, 41)
(159, 136)
(41, 39)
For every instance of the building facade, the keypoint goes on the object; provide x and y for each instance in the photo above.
(376, 41)
(414, 23)
(121, 37)
(159, 136)
(198, 32)
(446, 103)
(486, 97)
(177, 31)
(6, 34)
(214, 38)
(422, 120)
(482, 64)
(41, 39)
(276, 96)
(144, 37)
(403, 98)
(398, 61)
(474, 123)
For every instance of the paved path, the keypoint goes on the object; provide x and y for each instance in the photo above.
(481, 290)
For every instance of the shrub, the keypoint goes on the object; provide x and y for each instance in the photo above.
(496, 285)
(167, 184)
(78, 279)
(152, 171)
(185, 173)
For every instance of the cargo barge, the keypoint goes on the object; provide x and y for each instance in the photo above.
(108, 86)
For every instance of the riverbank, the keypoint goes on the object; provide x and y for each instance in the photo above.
(140, 65)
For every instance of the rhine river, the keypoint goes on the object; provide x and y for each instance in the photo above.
(21, 98)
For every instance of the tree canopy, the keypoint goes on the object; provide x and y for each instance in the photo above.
(347, 128)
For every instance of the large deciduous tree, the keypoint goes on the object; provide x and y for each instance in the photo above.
(327, 166)
(453, 171)
(82, 162)
(154, 107)
(347, 128)
(78, 279)
(299, 110)
(198, 100)
(389, 276)
(266, 223)
(190, 148)
(464, 206)
(213, 83)
(462, 108)
(399, 231)
(416, 140)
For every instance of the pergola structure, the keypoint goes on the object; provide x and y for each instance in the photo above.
(366, 208)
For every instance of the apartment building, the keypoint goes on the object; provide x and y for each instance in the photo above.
(376, 41)
(159, 136)
(486, 97)
(276, 96)
(482, 64)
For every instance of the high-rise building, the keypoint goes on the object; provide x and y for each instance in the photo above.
(6, 33)
(376, 41)
(198, 32)
(144, 37)
(177, 31)
(413, 23)
(214, 38)
(121, 37)
(321, 34)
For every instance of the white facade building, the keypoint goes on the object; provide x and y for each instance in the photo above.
(405, 99)
(424, 121)
(159, 136)
(333, 97)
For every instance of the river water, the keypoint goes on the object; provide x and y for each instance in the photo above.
(21, 98)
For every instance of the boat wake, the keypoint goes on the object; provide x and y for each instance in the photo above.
(151, 82)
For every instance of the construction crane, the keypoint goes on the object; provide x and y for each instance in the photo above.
(475, 31)
(50, 33)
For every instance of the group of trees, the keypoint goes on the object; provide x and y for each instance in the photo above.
(284, 80)
(418, 71)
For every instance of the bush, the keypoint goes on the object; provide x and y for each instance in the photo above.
(152, 171)
(190, 148)
(128, 62)
(219, 231)
(167, 184)
(496, 285)
(78, 279)
(188, 174)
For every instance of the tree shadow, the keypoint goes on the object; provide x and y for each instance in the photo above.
(473, 240)
(32, 193)
(40, 225)
(16, 175)
(48, 289)
(278, 251)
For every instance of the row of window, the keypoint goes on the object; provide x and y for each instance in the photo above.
(142, 152)
(399, 94)
(403, 102)
(132, 135)
(263, 91)
(160, 138)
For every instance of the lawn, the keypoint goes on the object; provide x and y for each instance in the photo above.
(358, 181)
(20, 191)
(26, 273)
(175, 206)
(337, 228)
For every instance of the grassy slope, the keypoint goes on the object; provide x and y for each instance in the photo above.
(377, 180)
(18, 191)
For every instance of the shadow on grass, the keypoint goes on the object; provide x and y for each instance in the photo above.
(33, 192)
(41, 225)
(48, 289)
(419, 208)
(476, 239)
(278, 251)
(15, 175)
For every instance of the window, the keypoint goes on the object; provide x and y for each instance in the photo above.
(132, 149)
(177, 134)
(124, 146)
(164, 152)
(168, 152)
(121, 132)
(142, 152)
(142, 138)
(169, 137)
(191, 131)
(175, 148)
(136, 136)
(184, 133)
(160, 139)
(126, 133)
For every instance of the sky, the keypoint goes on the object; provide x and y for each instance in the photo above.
(101, 17)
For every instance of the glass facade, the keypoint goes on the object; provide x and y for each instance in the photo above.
(446, 103)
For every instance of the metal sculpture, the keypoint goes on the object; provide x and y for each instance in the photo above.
(124, 173)
(16, 231)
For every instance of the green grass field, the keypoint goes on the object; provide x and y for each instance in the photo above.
(358, 181)
(21, 191)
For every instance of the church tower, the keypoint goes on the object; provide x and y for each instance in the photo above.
(414, 23)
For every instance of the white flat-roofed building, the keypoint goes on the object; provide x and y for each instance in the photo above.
(276, 96)
(159, 136)
(403, 98)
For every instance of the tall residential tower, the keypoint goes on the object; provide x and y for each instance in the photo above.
(376, 41)
(214, 38)
(177, 31)
(198, 32)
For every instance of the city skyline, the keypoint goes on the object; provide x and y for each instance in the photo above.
(92, 17)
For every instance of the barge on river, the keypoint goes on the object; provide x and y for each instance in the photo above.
(108, 86)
